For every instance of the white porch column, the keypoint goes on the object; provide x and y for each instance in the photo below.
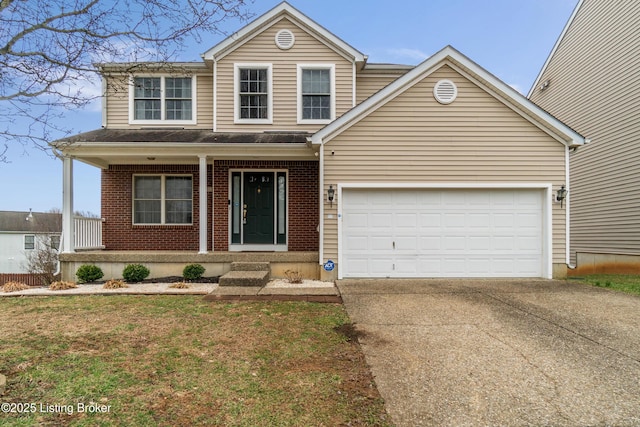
(203, 204)
(68, 232)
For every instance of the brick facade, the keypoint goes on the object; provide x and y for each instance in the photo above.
(119, 232)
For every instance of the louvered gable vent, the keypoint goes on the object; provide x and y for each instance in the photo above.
(285, 39)
(445, 91)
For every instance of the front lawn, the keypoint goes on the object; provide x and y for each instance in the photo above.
(181, 361)
(629, 283)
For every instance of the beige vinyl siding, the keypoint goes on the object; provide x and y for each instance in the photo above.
(368, 84)
(118, 104)
(594, 87)
(262, 49)
(414, 139)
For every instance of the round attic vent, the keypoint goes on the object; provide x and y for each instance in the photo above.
(285, 39)
(445, 91)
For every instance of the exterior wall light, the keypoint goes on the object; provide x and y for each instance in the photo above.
(331, 192)
(561, 195)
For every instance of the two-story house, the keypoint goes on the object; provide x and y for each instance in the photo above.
(591, 80)
(22, 233)
(284, 144)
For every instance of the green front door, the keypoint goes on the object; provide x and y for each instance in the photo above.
(258, 222)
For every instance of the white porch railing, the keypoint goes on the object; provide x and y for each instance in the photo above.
(88, 233)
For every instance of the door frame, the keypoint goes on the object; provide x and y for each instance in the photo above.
(547, 219)
(277, 247)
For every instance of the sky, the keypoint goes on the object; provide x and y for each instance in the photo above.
(509, 38)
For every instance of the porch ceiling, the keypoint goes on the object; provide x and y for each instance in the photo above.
(104, 147)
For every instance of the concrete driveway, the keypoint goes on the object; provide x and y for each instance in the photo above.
(500, 352)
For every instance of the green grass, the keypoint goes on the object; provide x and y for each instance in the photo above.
(628, 283)
(177, 360)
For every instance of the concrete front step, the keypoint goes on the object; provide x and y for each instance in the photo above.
(245, 278)
(250, 266)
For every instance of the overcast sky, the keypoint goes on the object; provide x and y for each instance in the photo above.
(509, 38)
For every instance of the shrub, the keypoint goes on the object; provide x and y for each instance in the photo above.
(135, 273)
(293, 276)
(193, 272)
(14, 287)
(61, 286)
(114, 284)
(89, 273)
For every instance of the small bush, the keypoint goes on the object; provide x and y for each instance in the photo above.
(293, 276)
(114, 284)
(14, 287)
(193, 272)
(135, 273)
(179, 285)
(62, 286)
(89, 273)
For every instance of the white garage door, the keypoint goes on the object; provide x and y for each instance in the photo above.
(442, 233)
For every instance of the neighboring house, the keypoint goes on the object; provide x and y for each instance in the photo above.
(284, 144)
(591, 81)
(23, 232)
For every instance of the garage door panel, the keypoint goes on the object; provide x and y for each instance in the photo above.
(429, 243)
(355, 220)
(404, 199)
(479, 244)
(455, 198)
(406, 220)
(479, 220)
(382, 243)
(442, 233)
(503, 243)
(357, 243)
(380, 267)
(455, 221)
(406, 243)
(429, 198)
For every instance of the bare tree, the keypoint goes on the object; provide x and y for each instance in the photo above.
(47, 48)
(42, 261)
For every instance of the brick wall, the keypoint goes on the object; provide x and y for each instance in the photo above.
(120, 234)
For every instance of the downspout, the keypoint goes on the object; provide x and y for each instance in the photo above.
(321, 210)
(215, 94)
(568, 211)
(58, 265)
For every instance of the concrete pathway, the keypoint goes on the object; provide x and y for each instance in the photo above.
(500, 352)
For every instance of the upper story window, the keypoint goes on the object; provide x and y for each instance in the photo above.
(29, 242)
(162, 99)
(162, 199)
(316, 93)
(54, 242)
(253, 93)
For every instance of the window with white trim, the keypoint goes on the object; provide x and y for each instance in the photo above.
(54, 242)
(29, 242)
(252, 88)
(160, 98)
(316, 93)
(162, 199)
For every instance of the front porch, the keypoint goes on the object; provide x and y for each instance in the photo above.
(171, 263)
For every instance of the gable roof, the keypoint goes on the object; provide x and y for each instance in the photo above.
(450, 56)
(555, 47)
(270, 18)
(39, 222)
